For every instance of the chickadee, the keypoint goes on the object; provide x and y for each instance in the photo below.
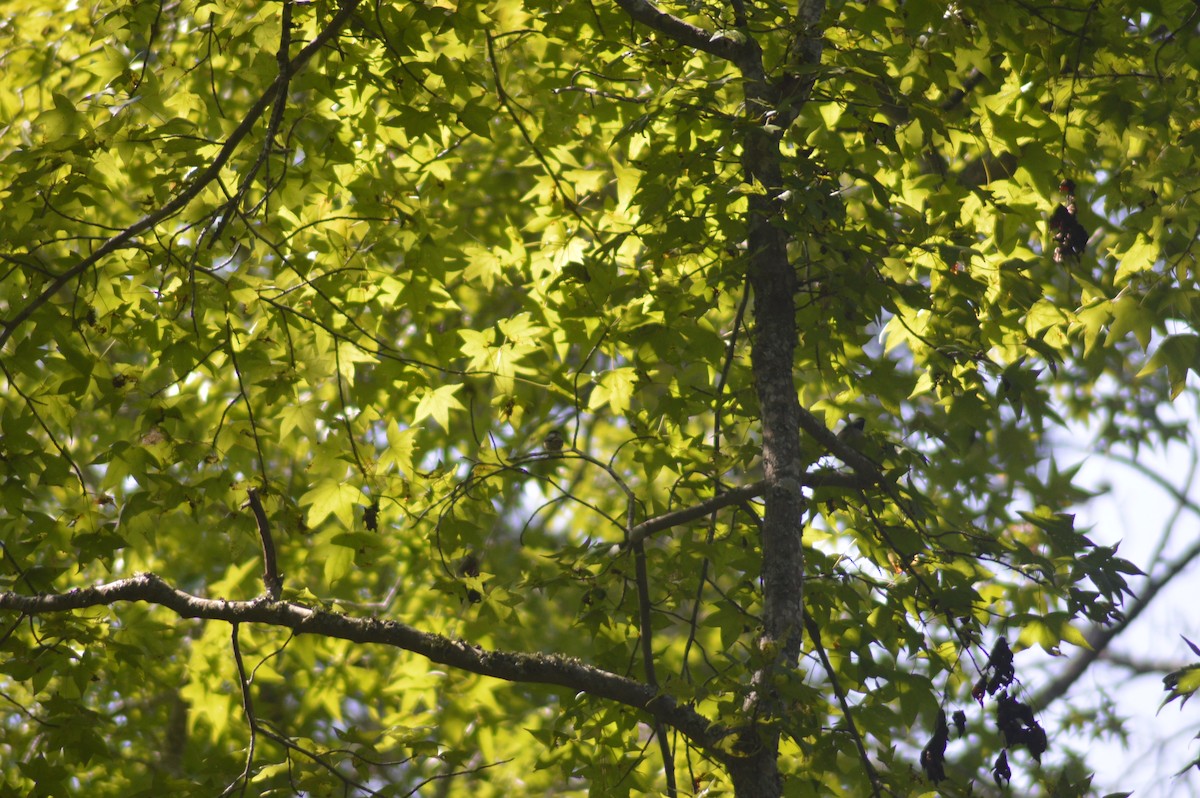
(875, 447)
(553, 441)
(852, 433)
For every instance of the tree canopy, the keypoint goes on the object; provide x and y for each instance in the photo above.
(536, 398)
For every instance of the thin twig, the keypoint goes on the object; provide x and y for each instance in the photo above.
(290, 745)
(568, 201)
(251, 721)
(190, 191)
(49, 433)
(282, 82)
(272, 579)
(262, 460)
(814, 631)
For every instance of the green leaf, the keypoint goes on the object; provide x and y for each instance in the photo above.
(1140, 256)
(472, 223)
(477, 119)
(437, 402)
(400, 448)
(1179, 354)
(331, 497)
(1189, 682)
(615, 388)
(1131, 315)
(1049, 631)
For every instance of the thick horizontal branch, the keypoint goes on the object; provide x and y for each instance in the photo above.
(867, 470)
(193, 188)
(822, 478)
(1139, 666)
(730, 46)
(547, 669)
(685, 515)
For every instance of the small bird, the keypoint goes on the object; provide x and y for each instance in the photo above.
(852, 433)
(876, 447)
(553, 441)
(1070, 236)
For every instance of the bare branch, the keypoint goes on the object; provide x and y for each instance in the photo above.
(814, 631)
(1139, 666)
(282, 83)
(512, 666)
(272, 580)
(822, 478)
(730, 47)
(243, 778)
(1100, 637)
(639, 533)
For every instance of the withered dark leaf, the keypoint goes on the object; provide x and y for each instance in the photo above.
(1000, 770)
(980, 688)
(1001, 659)
(960, 722)
(933, 755)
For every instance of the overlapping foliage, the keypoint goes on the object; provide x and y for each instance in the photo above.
(362, 259)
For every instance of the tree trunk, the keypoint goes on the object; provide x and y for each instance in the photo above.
(770, 108)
